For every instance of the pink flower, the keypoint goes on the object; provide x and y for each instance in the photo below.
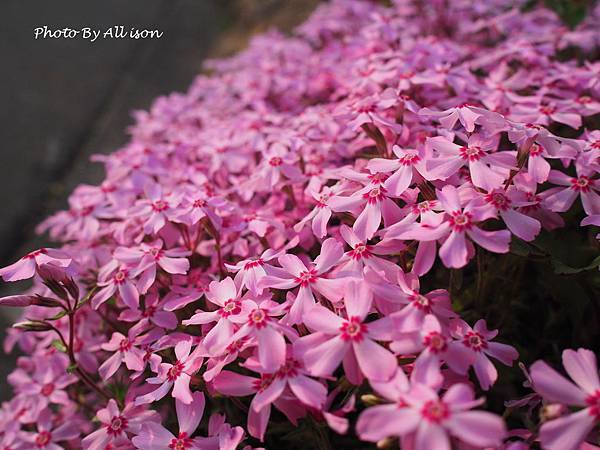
(233, 312)
(26, 267)
(408, 166)
(177, 375)
(147, 257)
(477, 341)
(261, 324)
(457, 224)
(570, 431)
(348, 339)
(488, 168)
(153, 436)
(127, 350)
(584, 185)
(421, 413)
(47, 435)
(466, 114)
(116, 426)
(310, 279)
(113, 278)
(272, 388)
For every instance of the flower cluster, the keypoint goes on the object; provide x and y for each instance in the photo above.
(258, 250)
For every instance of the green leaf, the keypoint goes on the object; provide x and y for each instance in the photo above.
(563, 269)
(58, 345)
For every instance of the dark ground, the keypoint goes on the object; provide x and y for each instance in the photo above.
(64, 100)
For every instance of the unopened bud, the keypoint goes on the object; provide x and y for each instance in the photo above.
(48, 302)
(56, 288)
(370, 399)
(386, 443)
(16, 300)
(33, 325)
(552, 411)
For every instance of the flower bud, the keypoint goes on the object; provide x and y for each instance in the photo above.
(16, 300)
(552, 411)
(33, 325)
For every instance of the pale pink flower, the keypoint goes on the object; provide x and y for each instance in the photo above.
(27, 266)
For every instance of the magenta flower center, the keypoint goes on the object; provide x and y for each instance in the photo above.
(32, 255)
(581, 184)
(263, 383)
(421, 302)
(149, 312)
(156, 253)
(460, 221)
(499, 200)
(275, 161)
(435, 342)
(474, 341)
(471, 153)
(47, 389)
(258, 318)
(353, 330)
(535, 150)
(306, 277)
(200, 203)
(360, 251)
(125, 345)
(230, 308)
(409, 159)
(42, 439)
(253, 264)
(375, 195)
(120, 276)
(289, 369)
(175, 371)
(181, 442)
(159, 205)
(117, 425)
(435, 411)
(593, 401)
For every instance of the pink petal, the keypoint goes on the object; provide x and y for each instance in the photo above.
(292, 264)
(129, 294)
(271, 349)
(331, 253)
(190, 415)
(174, 265)
(231, 383)
(380, 422)
(525, 227)
(582, 367)
(358, 299)
(368, 221)
(320, 318)
(494, 241)
(568, 432)
(431, 436)
(478, 428)
(308, 391)
(453, 251)
(221, 291)
(20, 270)
(323, 359)
(152, 436)
(181, 389)
(554, 387)
(374, 361)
